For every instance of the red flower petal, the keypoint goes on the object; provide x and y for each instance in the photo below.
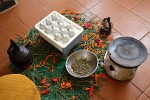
(45, 91)
(54, 80)
(102, 75)
(43, 81)
(76, 18)
(110, 80)
(91, 90)
(54, 60)
(87, 25)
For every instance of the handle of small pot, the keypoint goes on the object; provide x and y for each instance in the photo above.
(13, 46)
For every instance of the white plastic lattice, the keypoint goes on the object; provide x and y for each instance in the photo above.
(58, 30)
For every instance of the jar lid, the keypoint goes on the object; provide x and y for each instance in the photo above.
(127, 52)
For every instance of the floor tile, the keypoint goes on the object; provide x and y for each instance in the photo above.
(143, 10)
(115, 34)
(143, 97)
(108, 8)
(53, 6)
(128, 3)
(119, 91)
(141, 78)
(31, 23)
(5, 69)
(89, 16)
(1, 74)
(145, 41)
(147, 92)
(29, 10)
(20, 2)
(5, 41)
(4, 57)
(95, 96)
(88, 3)
(61, 5)
(4, 62)
(132, 25)
(10, 25)
(2, 51)
(8, 21)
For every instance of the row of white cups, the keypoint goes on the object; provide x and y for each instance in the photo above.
(57, 28)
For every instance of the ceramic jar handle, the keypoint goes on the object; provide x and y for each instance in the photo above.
(12, 47)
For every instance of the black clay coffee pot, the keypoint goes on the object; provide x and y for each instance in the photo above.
(106, 26)
(19, 55)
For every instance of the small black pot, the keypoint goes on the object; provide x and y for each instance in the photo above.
(106, 26)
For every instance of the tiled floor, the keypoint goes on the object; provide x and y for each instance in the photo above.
(129, 17)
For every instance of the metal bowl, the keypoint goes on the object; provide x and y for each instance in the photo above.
(89, 56)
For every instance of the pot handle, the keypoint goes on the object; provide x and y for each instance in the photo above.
(12, 48)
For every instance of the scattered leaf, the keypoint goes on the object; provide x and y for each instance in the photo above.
(45, 85)
(73, 97)
(52, 68)
(86, 88)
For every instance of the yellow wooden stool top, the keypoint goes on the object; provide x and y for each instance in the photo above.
(17, 87)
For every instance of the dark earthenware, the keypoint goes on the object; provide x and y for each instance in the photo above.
(106, 26)
(19, 55)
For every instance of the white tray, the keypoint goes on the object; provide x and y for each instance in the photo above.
(52, 28)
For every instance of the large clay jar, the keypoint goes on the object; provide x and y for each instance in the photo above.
(19, 55)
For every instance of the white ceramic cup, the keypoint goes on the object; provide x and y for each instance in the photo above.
(59, 19)
(64, 30)
(71, 33)
(48, 21)
(61, 25)
(42, 25)
(56, 29)
(65, 38)
(48, 30)
(69, 26)
(54, 17)
(54, 23)
(58, 36)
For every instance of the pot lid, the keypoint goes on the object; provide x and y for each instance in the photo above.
(127, 52)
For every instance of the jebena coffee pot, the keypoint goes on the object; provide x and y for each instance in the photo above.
(19, 55)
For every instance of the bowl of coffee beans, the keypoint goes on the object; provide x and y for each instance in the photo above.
(82, 63)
